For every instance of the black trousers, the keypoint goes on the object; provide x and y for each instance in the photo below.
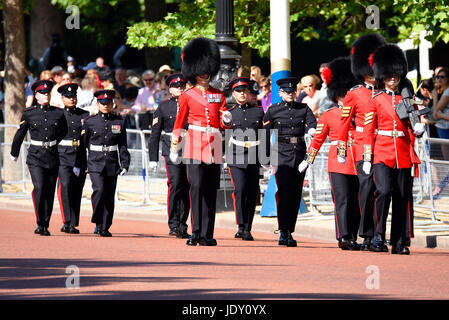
(246, 184)
(44, 185)
(103, 199)
(288, 196)
(366, 201)
(178, 201)
(204, 180)
(392, 186)
(70, 191)
(345, 194)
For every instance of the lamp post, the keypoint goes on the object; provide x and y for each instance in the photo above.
(224, 36)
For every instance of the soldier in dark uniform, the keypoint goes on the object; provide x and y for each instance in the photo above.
(104, 135)
(178, 202)
(47, 126)
(72, 161)
(241, 156)
(289, 120)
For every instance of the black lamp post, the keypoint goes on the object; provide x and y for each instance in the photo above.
(224, 36)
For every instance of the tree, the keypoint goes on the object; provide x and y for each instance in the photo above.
(15, 53)
(342, 20)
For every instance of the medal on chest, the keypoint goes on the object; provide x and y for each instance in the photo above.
(213, 98)
(115, 128)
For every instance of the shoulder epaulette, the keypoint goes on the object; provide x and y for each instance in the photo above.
(355, 87)
(91, 116)
(378, 92)
(30, 108)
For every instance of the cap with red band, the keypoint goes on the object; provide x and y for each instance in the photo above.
(105, 96)
(42, 86)
(176, 78)
(239, 83)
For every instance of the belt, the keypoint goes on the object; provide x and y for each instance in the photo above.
(291, 140)
(350, 142)
(359, 129)
(104, 148)
(43, 144)
(246, 144)
(204, 129)
(391, 133)
(70, 143)
(183, 133)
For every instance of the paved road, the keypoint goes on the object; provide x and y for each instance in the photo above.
(141, 261)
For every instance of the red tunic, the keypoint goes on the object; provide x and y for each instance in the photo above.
(357, 101)
(203, 111)
(329, 124)
(396, 150)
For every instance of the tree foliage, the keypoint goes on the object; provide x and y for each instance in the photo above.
(340, 20)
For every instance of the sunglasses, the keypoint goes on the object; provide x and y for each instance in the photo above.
(440, 77)
(148, 80)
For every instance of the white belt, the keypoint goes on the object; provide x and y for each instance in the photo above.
(334, 143)
(70, 143)
(204, 129)
(104, 148)
(183, 133)
(359, 129)
(391, 133)
(43, 144)
(246, 144)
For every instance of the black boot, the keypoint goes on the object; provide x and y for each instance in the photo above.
(366, 245)
(193, 239)
(290, 241)
(379, 244)
(283, 238)
(239, 233)
(247, 236)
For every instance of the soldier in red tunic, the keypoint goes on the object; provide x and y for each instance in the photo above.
(354, 107)
(391, 152)
(204, 108)
(342, 176)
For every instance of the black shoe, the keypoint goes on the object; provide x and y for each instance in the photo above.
(193, 240)
(173, 232)
(97, 229)
(45, 232)
(353, 245)
(400, 250)
(379, 245)
(407, 242)
(73, 230)
(207, 242)
(283, 238)
(247, 236)
(38, 230)
(239, 233)
(66, 228)
(366, 245)
(343, 243)
(105, 233)
(183, 234)
(290, 241)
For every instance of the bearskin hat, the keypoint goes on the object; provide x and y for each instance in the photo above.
(200, 56)
(388, 60)
(339, 78)
(362, 49)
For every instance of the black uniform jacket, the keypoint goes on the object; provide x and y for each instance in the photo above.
(290, 121)
(247, 120)
(74, 155)
(106, 130)
(163, 121)
(46, 124)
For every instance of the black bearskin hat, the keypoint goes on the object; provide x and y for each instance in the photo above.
(387, 61)
(200, 56)
(339, 78)
(362, 49)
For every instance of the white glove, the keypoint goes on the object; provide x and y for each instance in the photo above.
(225, 165)
(366, 167)
(311, 131)
(341, 159)
(303, 166)
(153, 165)
(76, 171)
(13, 158)
(418, 129)
(174, 157)
(226, 117)
(123, 172)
